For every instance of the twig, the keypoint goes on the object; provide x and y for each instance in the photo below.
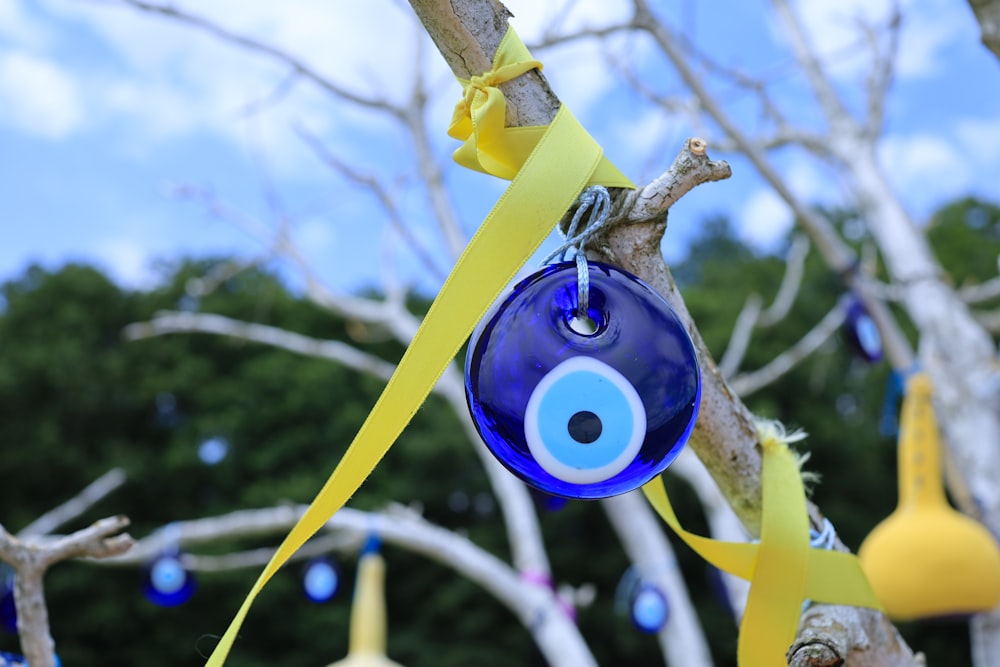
(883, 65)
(752, 315)
(30, 558)
(378, 190)
(739, 339)
(747, 383)
(973, 294)
(300, 68)
(92, 494)
(334, 350)
(791, 282)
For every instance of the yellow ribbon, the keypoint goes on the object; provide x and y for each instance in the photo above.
(562, 163)
(480, 116)
(782, 568)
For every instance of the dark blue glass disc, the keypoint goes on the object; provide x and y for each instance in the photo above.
(8, 610)
(583, 413)
(166, 583)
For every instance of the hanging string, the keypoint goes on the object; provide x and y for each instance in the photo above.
(597, 201)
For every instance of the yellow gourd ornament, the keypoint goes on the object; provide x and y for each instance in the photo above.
(925, 559)
(367, 645)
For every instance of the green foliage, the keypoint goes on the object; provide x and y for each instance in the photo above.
(76, 399)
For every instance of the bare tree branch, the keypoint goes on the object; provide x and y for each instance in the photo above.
(883, 65)
(752, 315)
(534, 605)
(747, 383)
(690, 168)
(389, 314)
(75, 506)
(334, 350)
(739, 339)
(382, 194)
(299, 68)
(515, 503)
(31, 557)
(837, 254)
(972, 294)
(988, 14)
(791, 281)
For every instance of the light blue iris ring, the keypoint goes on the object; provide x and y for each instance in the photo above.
(578, 386)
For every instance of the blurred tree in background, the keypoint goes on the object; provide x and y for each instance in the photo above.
(76, 400)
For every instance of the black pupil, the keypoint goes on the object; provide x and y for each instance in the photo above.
(584, 427)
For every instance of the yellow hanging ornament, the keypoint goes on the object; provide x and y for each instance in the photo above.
(925, 559)
(367, 646)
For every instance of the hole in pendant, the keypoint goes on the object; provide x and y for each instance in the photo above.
(584, 326)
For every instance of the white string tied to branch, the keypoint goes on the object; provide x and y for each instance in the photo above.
(597, 201)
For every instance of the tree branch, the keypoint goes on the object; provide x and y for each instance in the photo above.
(75, 506)
(168, 322)
(382, 194)
(752, 314)
(988, 14)
(739, 339)
(299, 68)
(30, 558)
(747, 383)
(534, 605)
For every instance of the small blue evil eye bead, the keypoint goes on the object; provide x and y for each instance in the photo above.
(583, 412)
(648, 608)
(320, 580)
(166, 583)
(861, 333)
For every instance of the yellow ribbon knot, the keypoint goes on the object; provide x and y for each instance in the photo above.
(480, 118)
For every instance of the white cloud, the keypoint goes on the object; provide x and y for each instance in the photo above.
(38, 97)
(764, 220)
(924, 167)
(316, 235)
(980, 138)
(18, 28)
(173, 79)
(126, 261)
(929, 26)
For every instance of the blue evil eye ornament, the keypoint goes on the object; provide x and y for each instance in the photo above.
(583, 411)
(166, 582)
(861, 333)
(320, 579)
(648, 608)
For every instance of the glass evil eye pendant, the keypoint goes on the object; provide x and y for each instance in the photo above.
(860, 332)
(583, 412)
(166, 583)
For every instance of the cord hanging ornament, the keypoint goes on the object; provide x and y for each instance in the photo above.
(583, 381)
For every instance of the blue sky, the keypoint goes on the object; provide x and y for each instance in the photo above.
(105, 112)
